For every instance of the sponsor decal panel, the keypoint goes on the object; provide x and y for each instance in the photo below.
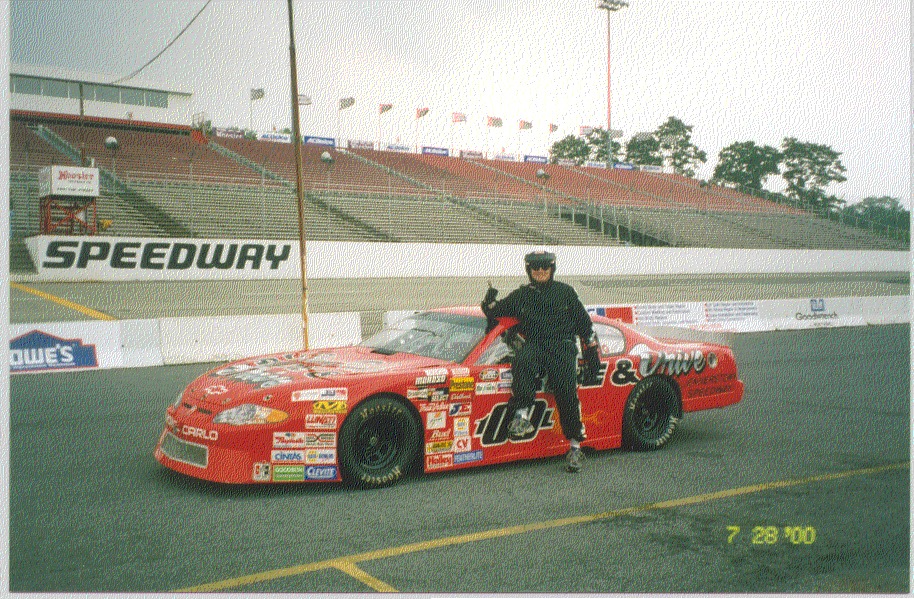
(288, 473)
(330, 394)
(652, 362)
(436, 420)
(433, 407)
(439, 446)
(261, 472)
(461, 426)
(463, 444)
(460, 409)
(320, 456)
(462, 384)
(320, 439)
(289, 440)
(287, 456)
(486, 388)
(321, 421)
(321, 472)
(36, 351)
(440, 435)
(489, 374)
(433, 376)
(438, 461)
(469, 456)
(460, 371)
(329, 407)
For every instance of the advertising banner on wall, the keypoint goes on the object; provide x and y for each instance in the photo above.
(595, 164)
(68, 181)
(624, 166)
(565, 162)
(537, 159)
(231, 133)
(508, 157)
(471, 154)
(284, 138)
(358, 144)
(435, 151)
(150, 258)
(397, 148)
(320, 141)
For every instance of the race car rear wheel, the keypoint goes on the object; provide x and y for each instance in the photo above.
(378, 443)
(651, 414)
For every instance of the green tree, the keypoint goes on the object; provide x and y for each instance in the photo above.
(597, 142)
(808, 169)
(676, 144)
(746, 164)
(570, 148)
(882, 211)
(644, 149)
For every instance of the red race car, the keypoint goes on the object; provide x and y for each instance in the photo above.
(429, 392)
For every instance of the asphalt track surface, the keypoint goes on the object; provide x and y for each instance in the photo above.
(820, 442)
(32, 302)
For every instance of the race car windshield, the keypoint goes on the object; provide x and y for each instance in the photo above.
(437, 335)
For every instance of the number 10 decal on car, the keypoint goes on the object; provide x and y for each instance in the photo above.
(493, 428)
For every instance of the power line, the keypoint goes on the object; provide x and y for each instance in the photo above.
(153, 59)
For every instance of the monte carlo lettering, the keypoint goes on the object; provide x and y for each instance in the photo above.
(164, 255)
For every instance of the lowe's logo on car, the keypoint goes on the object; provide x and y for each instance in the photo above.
(320, 472)
(37, 351)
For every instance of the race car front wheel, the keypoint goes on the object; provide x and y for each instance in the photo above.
(378, 443)
(651, 414)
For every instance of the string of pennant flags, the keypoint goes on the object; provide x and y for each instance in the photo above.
(491, 122)
(456, 117)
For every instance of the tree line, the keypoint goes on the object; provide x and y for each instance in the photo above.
(807, 168)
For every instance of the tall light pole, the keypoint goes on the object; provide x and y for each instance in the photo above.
(610, 6)
(299, 196)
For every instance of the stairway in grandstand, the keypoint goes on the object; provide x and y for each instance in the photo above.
(124, 206)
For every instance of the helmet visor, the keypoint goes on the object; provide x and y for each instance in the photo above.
(540, 264)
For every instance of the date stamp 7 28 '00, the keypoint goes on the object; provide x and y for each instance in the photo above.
(771, 535)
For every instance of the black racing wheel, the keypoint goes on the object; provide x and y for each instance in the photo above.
(379, 442)
(651, 414)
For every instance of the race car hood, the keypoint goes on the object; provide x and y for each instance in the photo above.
(263, 377)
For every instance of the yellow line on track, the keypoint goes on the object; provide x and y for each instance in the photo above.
(367, 579)
(63, 302)
(347, 563)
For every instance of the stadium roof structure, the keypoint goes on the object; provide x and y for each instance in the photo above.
(50, 72)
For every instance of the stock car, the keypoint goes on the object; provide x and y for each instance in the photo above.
(427, 393)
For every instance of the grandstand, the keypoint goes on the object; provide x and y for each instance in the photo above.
(173, 181)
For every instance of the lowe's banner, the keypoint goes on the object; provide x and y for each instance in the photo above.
(152, 258)
(537, 159)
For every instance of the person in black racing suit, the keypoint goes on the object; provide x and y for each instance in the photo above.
(549, 315)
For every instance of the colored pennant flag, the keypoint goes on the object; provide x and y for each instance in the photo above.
(257, 94)
(421, 112)
(522, 124)
(553, 128)
(304, 100)
(384, 108)
(494, 121)
(346, 103)
(459, 117)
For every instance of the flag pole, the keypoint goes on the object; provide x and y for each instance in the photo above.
(296, 142)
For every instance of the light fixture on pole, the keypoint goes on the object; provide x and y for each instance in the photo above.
(610, 6)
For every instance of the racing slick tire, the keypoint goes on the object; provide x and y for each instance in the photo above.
(379, 442)
(651, 414)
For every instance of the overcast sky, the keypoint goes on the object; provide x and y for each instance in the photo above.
(823, 71)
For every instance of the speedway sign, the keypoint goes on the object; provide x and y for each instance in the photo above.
(152, 258)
